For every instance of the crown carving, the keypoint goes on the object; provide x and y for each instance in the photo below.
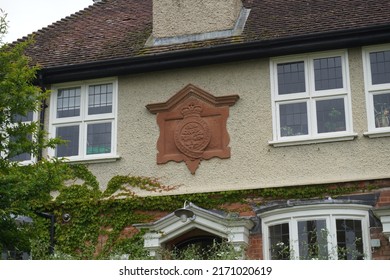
(191, 110)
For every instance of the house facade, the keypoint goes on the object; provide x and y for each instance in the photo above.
(219, 96)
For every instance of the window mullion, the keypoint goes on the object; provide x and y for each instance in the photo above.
(312, 111)
(348, 113)
(113, 137)
(82, 139)
(370, 111)
(277, 118)
(84, 102)
(366, 232)
(83, 128)
(294, 243)
(310, 77)
(332, 238)
(312, 116)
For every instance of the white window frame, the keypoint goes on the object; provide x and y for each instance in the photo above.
(310, 96)
(329, 212)
(84, 119)
(33, 158)
(372, 90)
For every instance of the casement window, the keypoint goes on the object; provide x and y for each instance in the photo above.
(376, 61)
(84, 115)
(311, 98)
(322, 231)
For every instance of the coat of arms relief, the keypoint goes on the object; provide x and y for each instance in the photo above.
(193, 127)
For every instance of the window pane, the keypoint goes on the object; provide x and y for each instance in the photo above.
(382, 110)
(291, 77)
(380, 67)
(22, 156)
(279, 240)
(100, 99)
(330, 115)
(99, 138)
(20, 118)
(70, 134)
(21, 140)
(68, 102)
(328, 73)
(349, 239)
(313, 243)
(293, 119)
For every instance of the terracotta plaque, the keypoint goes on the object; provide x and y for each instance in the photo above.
(193, 127)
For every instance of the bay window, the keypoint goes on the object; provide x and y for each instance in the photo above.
(84, 115)
(318, 231)
(310, 98)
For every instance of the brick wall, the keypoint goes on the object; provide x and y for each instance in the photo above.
(255, 248)
(383, 252)
(384, 198)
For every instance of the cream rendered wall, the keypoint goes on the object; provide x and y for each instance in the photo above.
(182, 17)
(253, 163)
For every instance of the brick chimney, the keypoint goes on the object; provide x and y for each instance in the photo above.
(175, 18)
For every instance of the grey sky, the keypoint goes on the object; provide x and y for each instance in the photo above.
(27, 16)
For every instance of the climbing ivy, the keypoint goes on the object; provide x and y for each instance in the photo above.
(100, 224)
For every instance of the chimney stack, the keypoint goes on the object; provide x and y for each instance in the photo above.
(173, 18)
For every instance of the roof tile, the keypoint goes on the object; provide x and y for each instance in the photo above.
(115, 29)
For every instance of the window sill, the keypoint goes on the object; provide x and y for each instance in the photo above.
(25, 162)
(377, 134)
(100, 159)
(295, 142)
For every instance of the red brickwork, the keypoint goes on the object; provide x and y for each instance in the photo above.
(383, 252)
(244, 210)
(255, 248)
(384, 199)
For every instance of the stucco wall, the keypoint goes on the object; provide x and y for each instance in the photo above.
(183, 17)
(253, 163)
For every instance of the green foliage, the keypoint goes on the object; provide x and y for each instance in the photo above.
(120, 184)
(18, 96)
(216, 251)
(23, 189)
(130, 248)
(3, 25)
(14, 237)
(98, 224)
(96, 214)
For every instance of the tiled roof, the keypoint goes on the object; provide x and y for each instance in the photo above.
(119, 29)
(106, 30)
